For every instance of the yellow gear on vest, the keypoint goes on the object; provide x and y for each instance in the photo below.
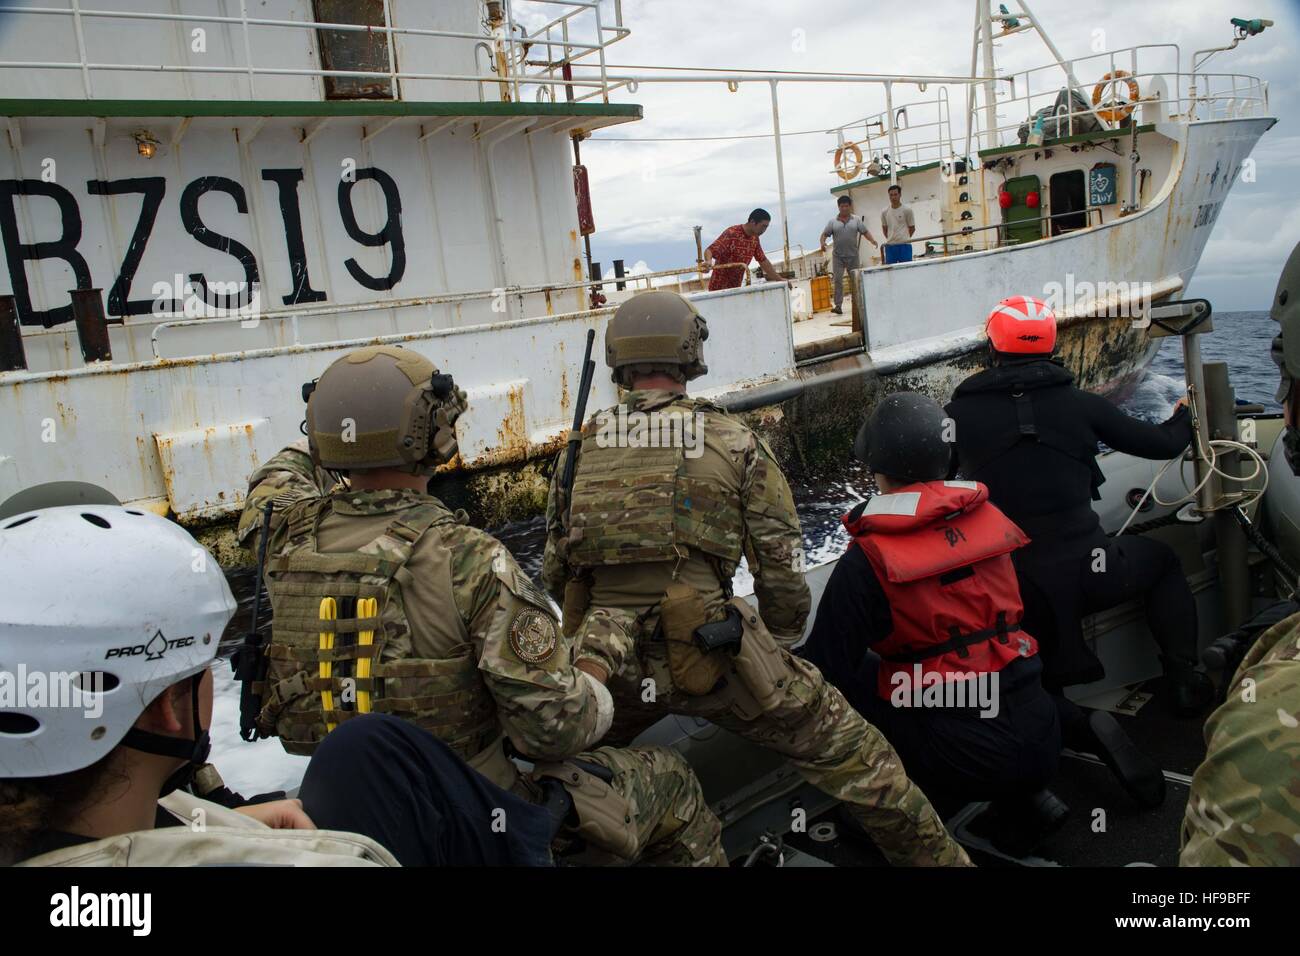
(322, 671)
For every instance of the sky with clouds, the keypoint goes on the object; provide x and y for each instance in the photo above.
(648, 195)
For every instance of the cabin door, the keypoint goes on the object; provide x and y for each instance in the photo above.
(1069, 197)
(1023, 218)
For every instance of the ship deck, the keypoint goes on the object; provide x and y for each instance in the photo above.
(825, 333)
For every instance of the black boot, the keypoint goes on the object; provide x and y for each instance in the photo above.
(1018, 825)
(1189, 692)
(1140, 777)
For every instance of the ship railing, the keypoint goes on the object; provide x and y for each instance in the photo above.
(563, 53)
(509, 71)
(957, 242)
(680, 278)
(1216, 96)
(1165, 92)
(922, 133)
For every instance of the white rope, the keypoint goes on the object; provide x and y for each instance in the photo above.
(1211, 457)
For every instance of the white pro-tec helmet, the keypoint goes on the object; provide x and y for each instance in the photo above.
(96, 590)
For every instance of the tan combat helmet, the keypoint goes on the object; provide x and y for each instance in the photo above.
(1286, 313)
(382, 407)
(656, 332)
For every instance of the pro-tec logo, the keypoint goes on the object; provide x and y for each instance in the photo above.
(157, 646)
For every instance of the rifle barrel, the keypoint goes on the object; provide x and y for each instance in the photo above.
(579, 411)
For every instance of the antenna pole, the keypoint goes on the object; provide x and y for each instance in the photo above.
(1061, 61)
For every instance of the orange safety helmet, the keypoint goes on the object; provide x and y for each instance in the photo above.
(1022, 325)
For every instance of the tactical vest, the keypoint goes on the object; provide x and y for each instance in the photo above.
(303, 699)
(1043, 434)
(638, 504)
(941, 553)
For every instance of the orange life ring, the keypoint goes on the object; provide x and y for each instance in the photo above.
(848, 171)
(1115, 112)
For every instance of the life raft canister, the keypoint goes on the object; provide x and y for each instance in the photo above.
(942, 555)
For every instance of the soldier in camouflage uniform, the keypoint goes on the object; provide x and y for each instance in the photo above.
(1244, 805)
(668, 492)
(385, 601)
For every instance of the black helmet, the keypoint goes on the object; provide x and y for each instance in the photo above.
(903, 439)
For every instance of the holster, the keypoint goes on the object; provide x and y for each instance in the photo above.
(695, 671)
(760, 663)
(604, 815)
(577, 598)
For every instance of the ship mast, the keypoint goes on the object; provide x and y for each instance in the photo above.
(1012, 22)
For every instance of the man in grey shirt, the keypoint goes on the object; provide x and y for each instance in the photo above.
(844, 232)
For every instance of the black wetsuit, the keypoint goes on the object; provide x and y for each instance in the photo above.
(1025, 431)
(399, 785)
(955, 756)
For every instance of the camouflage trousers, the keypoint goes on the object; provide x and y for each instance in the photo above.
(652, 812)
(812, 725)
(1243, 808)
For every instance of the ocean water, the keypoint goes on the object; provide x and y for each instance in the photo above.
(1240, 339)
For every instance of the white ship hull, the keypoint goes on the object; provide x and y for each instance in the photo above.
(449, 226)
(182, 434)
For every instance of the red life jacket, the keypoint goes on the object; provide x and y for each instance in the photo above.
(942, 554)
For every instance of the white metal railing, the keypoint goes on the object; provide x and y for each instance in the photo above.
(576, 35)
(1181, 96)
(921, 129)
(641, 281)
(1176, 96)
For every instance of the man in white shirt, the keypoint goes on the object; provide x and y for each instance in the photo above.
(899, 227)
(844, 232)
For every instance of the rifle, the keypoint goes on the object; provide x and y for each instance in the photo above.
(579, 414)
(248, 662)
(577, 591)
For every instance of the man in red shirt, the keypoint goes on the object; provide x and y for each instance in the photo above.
(731, 252)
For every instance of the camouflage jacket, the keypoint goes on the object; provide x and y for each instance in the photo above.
(1244, 806)
(543, 704)
(739, 470)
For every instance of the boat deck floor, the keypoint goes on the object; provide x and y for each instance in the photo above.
(824, 333)
(1104, 828)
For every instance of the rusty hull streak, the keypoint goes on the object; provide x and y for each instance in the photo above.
(511, 434)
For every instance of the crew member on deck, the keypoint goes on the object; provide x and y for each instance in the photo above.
(729, 255)
(1026, 431)
(899, 226)
(844, 233)
(919, 626)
